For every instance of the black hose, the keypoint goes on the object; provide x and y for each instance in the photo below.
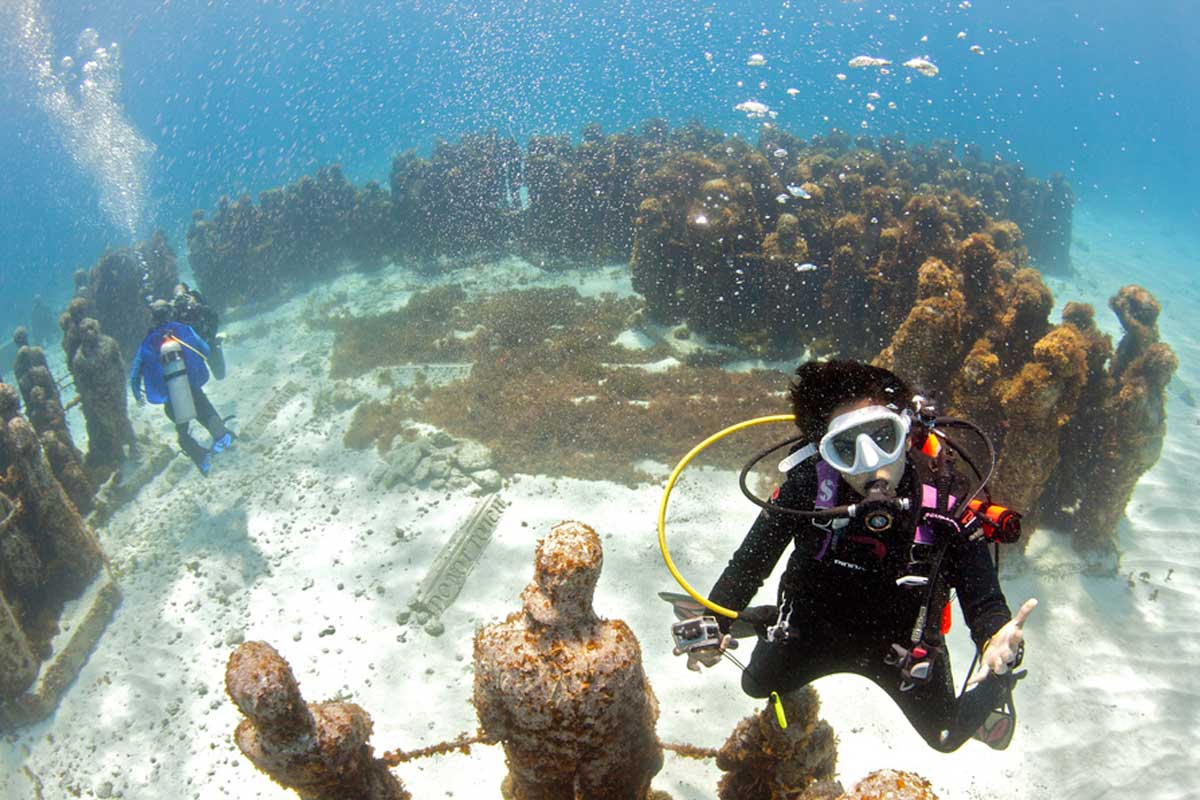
(971, 426)
(823, 513)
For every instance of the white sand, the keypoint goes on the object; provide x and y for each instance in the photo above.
(289, 537)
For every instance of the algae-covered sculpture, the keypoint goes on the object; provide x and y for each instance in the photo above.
(763, 761)
(101, 380)
(562, 689)
(45, 411)
(48, 556)
(293, 235)
(118, 292)
(319, 750)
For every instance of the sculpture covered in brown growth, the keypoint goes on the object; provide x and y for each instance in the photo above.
(44, 409)
(293, 235)
(891, 784)
(763, 761)
(462, 200)
(562, 689)
(319, 750)
(47, 553)
(100, 380)
(1119, 439)
(119, 290)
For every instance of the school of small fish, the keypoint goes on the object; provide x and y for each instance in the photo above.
(859, 62)
(923, 66)
(754, 109)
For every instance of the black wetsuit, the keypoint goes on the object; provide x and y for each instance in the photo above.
(844, 610)
(190, 309)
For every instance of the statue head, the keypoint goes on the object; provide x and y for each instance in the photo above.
(261, 684)
(566, 568)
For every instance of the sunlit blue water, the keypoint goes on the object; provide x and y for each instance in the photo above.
(236, 96)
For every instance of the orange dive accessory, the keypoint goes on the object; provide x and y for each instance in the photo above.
(998, 524)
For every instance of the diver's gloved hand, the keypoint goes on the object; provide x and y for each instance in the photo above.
(1005, 645)
(706, 657)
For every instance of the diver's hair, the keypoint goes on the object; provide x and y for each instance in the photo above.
(160, 311)
(820, 387)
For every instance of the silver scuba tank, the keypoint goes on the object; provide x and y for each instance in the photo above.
(179, 389)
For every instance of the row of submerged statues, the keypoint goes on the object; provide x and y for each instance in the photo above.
(556, 202)
(563, 691)
(904, 255)
(51, 491)
(917, 258)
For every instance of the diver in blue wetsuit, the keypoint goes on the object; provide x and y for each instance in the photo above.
(172, 363)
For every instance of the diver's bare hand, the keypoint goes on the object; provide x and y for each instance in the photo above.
(706, 657)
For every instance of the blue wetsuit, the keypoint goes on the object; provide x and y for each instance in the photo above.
(147, 370)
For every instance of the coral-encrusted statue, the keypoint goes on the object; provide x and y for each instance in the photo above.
(45, 411)
(763, 761)
(892, 784)
(1134, 419)
(319, 750)
(64, 543)
(562, 689)
(100, 378)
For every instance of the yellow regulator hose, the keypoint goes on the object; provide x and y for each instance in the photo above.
(662, 510)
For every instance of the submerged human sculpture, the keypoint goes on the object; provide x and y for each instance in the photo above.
(99, 374)
(562, 689)
(47, 554)
(45, 411)
(319, 750)
(763, 761)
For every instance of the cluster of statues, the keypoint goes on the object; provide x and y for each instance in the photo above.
(563, 691)
(48, 555)
(556, 202)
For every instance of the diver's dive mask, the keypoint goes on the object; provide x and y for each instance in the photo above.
(867, 444)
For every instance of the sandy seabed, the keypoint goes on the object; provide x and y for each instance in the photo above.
(290, 541)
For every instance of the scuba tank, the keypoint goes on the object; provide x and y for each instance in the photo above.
(179, 388)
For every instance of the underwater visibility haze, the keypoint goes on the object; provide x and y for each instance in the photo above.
(360, 354)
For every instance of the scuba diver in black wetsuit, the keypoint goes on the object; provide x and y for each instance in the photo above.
(190, 309)
(867, 591)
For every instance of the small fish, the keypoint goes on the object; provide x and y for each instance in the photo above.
(708, 56)
(753, 109)
(793, 92)
(807, 267)
(841, 76)
(798, 191)
(965, 4)
(756, 60)
(701, 219)
(924, 38)
(780, 153)
(858, 62)
(892, 104)
(870, 106)
(873, 96)
(976, 49)
(782, 198)
(961, 35)
(923, 66)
